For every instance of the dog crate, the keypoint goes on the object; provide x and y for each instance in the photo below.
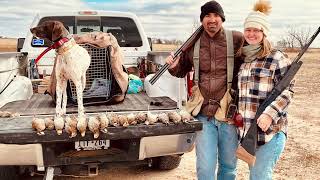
(99, 77)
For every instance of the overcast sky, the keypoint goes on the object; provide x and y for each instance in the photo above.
(170, 19)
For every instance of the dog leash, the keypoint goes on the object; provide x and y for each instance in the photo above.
(53, 46)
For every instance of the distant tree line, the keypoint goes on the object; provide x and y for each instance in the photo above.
(295, 37)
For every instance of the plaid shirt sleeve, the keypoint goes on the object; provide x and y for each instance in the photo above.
(280, 104)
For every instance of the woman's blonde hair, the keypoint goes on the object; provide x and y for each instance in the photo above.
(265, 49)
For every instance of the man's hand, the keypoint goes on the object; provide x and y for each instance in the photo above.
(170, 60)
(264, 122)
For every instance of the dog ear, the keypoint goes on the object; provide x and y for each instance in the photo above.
(58, 31)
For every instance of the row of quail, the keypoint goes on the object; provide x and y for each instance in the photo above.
(99, 123)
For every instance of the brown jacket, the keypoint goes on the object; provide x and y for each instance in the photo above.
(213, 68)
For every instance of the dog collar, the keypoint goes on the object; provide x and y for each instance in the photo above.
(59, 43)
(66, 47)
(55, 45)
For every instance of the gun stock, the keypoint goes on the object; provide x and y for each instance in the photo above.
(190, 41)
(247, 148)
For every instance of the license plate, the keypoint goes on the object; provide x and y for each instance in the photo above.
(92, 145)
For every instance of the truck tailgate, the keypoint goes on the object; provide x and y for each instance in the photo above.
(18, 130)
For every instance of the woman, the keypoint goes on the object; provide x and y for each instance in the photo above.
(263, 67)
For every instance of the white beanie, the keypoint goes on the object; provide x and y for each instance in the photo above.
(258, 18)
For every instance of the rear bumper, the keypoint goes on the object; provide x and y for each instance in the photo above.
(166, 145)
(126, 145)
(27, 154)
(56, 154)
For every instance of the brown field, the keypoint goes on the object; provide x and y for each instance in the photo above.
(164, 47)
(8, 44)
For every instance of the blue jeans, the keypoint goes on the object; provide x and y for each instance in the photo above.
(216, 141)
(267, 157)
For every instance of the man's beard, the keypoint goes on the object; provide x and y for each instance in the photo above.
(213, 28)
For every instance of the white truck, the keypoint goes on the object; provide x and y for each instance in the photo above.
(23, 151)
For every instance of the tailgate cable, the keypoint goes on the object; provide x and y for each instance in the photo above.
(8, 84)
(22, 66)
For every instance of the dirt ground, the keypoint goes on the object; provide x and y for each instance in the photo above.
(301, 156)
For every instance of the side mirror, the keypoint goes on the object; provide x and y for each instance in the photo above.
(150, 42)
(20, 44)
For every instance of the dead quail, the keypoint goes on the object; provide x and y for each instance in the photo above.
(123, 120)
(71, 126)
(49, 123)
(5, 114)
(39, 125)
(132, 119)
(164, 118)
(94, 126)
(82, 125)
(141, 117)
(151, 118)
(114, 119)
(104, 122)
(13, 115)
(185, 116)
(58, 124)
(174, 117)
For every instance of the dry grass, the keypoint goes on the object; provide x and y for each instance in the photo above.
(164, 47)
(8, 44)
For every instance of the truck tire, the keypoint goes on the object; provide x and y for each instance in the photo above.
(167, 162)
(8, 173)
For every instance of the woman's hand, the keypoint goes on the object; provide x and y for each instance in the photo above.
(264, 122)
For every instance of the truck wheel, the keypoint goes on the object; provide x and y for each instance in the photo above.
(167, 162)
(8, 173)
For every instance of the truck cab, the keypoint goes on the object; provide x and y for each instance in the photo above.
(124, 26)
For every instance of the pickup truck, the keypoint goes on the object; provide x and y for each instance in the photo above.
(23, 151)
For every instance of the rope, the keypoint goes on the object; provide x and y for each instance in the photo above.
(7, 85)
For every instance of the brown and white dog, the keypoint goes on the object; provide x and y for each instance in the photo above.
(72, 62)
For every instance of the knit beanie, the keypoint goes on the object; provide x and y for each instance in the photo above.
(258, 18)
(212, 7)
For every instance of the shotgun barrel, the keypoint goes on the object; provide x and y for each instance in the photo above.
(190, 41)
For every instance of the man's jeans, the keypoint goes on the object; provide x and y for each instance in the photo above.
(267, 157)
(216, 140)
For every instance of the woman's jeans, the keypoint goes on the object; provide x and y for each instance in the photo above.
(267, 157)
(217, 141)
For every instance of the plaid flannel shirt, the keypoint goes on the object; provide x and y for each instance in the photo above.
(256, 79)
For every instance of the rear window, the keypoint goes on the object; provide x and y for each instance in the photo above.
(124, 29)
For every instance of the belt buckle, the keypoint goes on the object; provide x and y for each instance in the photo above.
(213, 101)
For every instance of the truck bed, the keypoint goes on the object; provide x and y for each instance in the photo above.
(18, 130)
(41, 104)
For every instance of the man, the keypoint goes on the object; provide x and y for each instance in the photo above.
(218, 140)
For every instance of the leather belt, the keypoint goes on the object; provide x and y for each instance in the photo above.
(213, 102)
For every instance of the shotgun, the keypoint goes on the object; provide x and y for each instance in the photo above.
(247, 148)
(190, 41)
